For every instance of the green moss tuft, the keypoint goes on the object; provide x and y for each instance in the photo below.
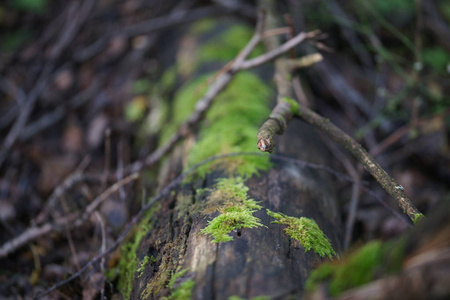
(232, 124)
(184, 290)
(128, 260)
(294, 105)
(236, 209)
(140, 270)
(418, 217)
(360, 268)
(307, 232)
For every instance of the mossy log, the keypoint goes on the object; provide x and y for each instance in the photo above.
(262, 261)
(241, 227)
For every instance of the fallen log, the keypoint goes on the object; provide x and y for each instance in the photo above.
(243, 226)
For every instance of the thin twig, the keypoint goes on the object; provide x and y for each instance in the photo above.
(283, 112)
(103, 249)
(74, 219)
(388, 183)
(35, 232)
(264, 58)
(105, 195)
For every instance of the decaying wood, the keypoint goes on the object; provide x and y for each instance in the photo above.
(259, 261)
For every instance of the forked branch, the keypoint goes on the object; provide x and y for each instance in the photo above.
(287, 108)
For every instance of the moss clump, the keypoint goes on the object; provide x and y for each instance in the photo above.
(293, 103)
(180, 291)
(236, 212)
(307, 232)
(418, 217)
(232, 124)
(142, 265)
(128, 260)
(360, 268)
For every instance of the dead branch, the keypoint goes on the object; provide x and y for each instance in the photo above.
(75, 220)
(388, 183)
(287, 108)
(239, 64)
(35, 232)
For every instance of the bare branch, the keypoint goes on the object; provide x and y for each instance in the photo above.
(204, 103)
(286, 108)
(264, 58)
(73, 219)
(387, 182)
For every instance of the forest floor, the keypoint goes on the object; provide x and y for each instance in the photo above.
(75, 93)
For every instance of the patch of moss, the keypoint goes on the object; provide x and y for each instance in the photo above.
(232, 124)
(184, 291)
(140, 270)
(226, 45)
(128, 261)
(170, 261)
(418, 217)
(235, 213)
(183, 105)
(307, 232)
(180, 291)
(293, 103)
(358, 269)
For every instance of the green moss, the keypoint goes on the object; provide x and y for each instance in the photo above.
(142, 265)
(307, 232)
(360, 268)
(128, 261)
(293, 103)
(184, 290)
(183, 105)
(232, 124)
(227, 45)
(418, 217)
(235, 213)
